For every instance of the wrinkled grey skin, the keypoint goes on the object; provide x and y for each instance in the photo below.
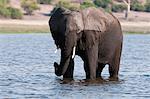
(96, 35)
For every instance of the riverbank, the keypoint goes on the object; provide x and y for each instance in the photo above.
(41, 26)
(138, 22)
(24, 26)
(136, 27)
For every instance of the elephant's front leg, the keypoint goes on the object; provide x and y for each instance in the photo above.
(92, 58)
(69, 73)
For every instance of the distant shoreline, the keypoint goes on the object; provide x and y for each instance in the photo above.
(136, 27)
(24, 26)
(41, 26)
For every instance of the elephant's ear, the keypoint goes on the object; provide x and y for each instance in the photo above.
(94, 20)
(90, 38)
(75, 22)
(95, 24)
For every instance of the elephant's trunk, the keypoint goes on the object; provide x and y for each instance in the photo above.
(65, 65)
(67, 51)
(64, 62)
(62, 68)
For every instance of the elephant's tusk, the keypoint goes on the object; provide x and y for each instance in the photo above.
(56, 51)
(74, 50)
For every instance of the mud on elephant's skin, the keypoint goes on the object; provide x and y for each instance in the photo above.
(92, 34)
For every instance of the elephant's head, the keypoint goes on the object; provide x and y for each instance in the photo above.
(64, 26)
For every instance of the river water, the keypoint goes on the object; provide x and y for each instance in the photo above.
(26, 70)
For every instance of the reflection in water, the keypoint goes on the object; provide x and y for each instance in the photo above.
(26, 70)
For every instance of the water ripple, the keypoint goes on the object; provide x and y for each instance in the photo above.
(26, 70)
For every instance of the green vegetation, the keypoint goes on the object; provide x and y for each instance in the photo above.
(44, 1)
(137, 6)
(102, 3)
(68, 4)
(29, 6)
(9, 12)
(119, 7)
(106, 4)
(3, 2)
(86, 4)
(75, 6)
(15, 13)
(147, 6)
(4, 12)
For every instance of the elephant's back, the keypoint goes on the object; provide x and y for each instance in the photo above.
(97, 19)
(94, 19)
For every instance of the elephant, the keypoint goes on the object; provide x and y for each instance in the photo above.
(92, 34)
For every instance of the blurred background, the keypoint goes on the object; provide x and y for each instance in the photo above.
(26, 60)
(30, 16)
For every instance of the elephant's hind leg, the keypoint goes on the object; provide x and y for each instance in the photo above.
(99, 70)
(114, 65)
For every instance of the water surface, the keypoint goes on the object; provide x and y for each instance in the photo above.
(26, 70)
